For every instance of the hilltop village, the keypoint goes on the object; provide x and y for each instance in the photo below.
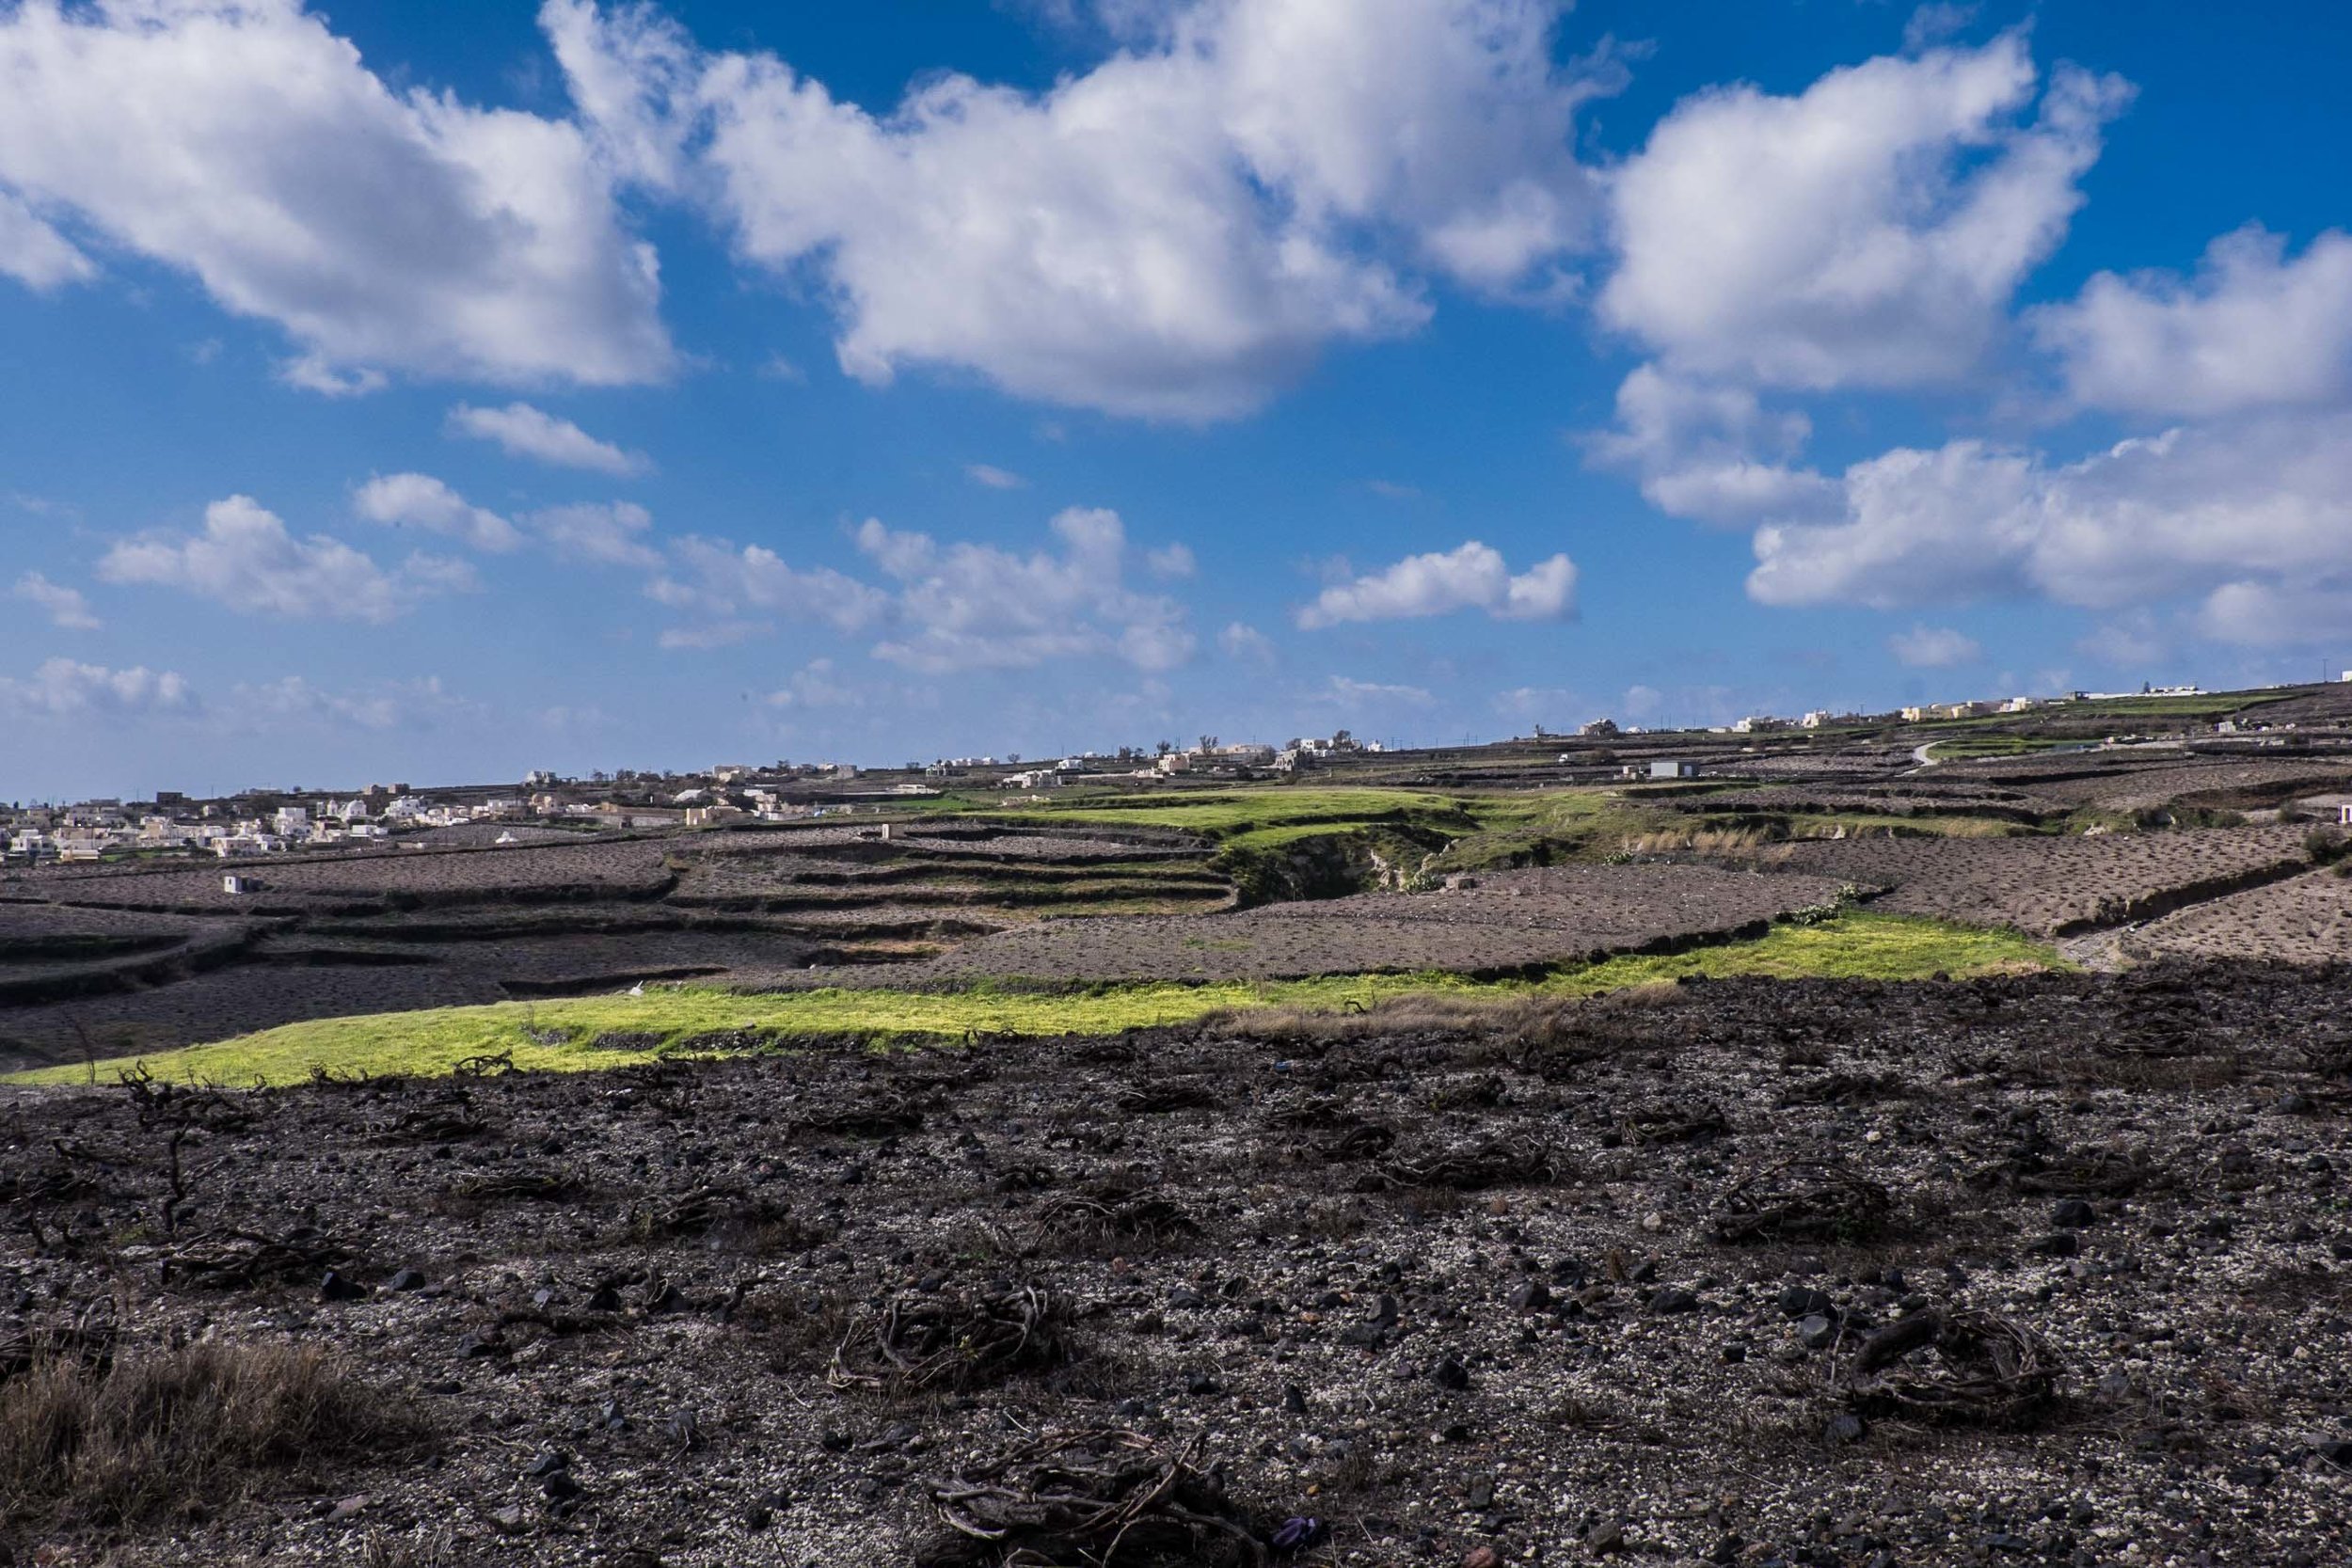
(294, 820)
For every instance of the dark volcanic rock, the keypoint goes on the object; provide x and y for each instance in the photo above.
(1341, 1345)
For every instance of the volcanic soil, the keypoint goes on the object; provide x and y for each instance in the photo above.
(2036, 1269)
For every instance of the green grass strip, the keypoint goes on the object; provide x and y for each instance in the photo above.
(558, 1035)
(1219, 813)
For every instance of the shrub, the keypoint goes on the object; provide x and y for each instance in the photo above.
(2327, 846)
(150, 1438)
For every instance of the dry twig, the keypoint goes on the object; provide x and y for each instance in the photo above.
(1801, 1199)
(1091, 1496)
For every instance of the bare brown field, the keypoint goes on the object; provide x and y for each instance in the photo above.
(33, 932)
(392, 879)
(2218, 785)
(48, 953)
(2148, 781)
(1509, 920)
(2051, 886)
(221, 1004)
(1906, 798)
(1854, 764)
(2307, 919)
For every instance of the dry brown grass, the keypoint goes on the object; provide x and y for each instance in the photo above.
(429, 1545)
(1510, 1027)
(162, 1435)
(1415, 1015)
(1703, 841)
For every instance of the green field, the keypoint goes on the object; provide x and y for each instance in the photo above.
(561, 1036)
(1223, 815)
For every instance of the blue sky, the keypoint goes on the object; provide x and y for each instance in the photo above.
(440, 393)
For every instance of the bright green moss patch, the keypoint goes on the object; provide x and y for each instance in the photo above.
(1261, 839)
(563, 1035)
(1857, 947)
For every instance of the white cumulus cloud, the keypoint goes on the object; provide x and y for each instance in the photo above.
(245, 559)
(723, 585)
(1173, 233)
(1242, 642)
(605, 533)
(816, 684)
(1710, 452)
(2244, 513)
(2251, 329)
(62, 687)
(1869, 232)
(244, 143)
(2277, 614)
(34, 253)
(1355, 692)
(1171, 561)
(1471, 576)
(420, 501)
(944, 607)
(294, 701)
(968, 606)
(1926, 647)
(524, 431)
(66, 607)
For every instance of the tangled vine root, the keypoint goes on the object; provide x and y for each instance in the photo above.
(245, 1260)
(2095, 1173)
(1175, 1095)
(1675, 1124)
(446, 1124)
(1802, 1199)
(1089, 1497)
(1118, 1211)
(1363, 1140)
(877, 1115)
(952, 1341)
(1473, 1167)
(716, 1208)
(1986, 1370)
(518, 1186)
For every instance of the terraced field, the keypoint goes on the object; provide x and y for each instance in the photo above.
(2053, 886)
(390, 880)
(142, 960)
(2306, 919)
(1917, 804)
(1225, 814)
(1507, 921)
(47, 951)
(2154, 780)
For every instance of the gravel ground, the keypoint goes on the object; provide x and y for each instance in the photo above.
(1491, 922)
(2310, 916)
(2053, 886)
(1544, 1288)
